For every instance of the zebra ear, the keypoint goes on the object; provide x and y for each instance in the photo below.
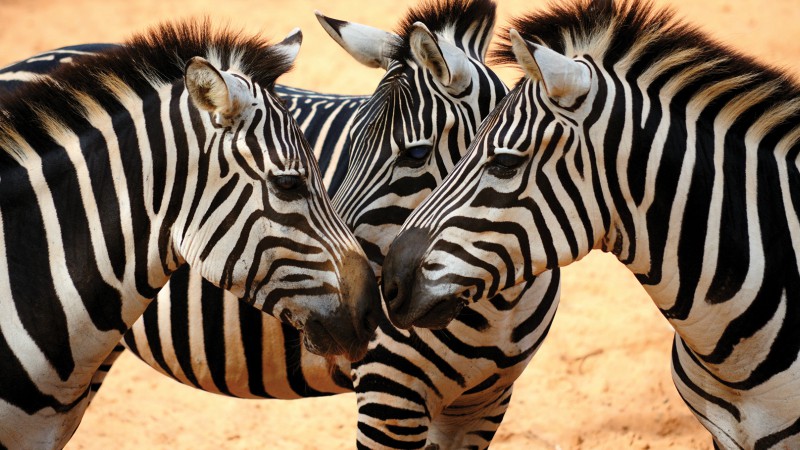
(448, 63)
(564, 79)
(290, 45)
(368, 45)
(217, 92)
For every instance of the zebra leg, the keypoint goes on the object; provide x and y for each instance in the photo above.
(102, 371)
(391, 415)
(469, 424)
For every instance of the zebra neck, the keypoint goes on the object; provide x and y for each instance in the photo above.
(96, 211)
(709, 252)
(134, 167)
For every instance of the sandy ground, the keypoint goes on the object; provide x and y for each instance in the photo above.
(601, 380)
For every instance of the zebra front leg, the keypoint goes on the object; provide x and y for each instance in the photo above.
(102, 371)
(469, 423)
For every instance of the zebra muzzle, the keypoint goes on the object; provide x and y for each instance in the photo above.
(349, 328)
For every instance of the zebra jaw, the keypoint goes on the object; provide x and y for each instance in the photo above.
(320, 341)
(425, 310)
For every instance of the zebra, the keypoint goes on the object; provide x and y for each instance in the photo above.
(325, 120)
(117, 170)
(633, 132)
(449, 387)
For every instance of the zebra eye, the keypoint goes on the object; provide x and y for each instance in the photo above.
(287, 182)
(504, 165)
(507, 160)
(415, 156)
(419, 151)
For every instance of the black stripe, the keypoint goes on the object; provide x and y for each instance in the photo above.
(381, 438)
(180, 175)
(591, 119)
(292, 344)
(16, 386)
(733, 259)
(133, 166)
(33, 293)
(156, 137)
(535, 320)
(228, 221)
(776, 438)
(214, 334)
(203, 163)
(548, 191)
(95, 152)
(570, 187)
(252, 330)
(150, 319)
(220, 197)
(611, 148)
(179, 321)
(681, 374)
(103, 302)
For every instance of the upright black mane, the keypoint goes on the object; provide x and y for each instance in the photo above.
(144, 61)
(582, 21)
(609, 31)
(439, 15)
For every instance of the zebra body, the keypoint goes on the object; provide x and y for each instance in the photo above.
(634, 133)
(115, 173)
(447, 387)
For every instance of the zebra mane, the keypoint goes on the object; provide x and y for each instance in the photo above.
(145, 61)
(637, 38)
(469, 22)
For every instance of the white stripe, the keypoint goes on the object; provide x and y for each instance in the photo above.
(22, 75)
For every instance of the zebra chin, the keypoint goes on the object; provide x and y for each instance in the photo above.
(320, 341)
(425, 311)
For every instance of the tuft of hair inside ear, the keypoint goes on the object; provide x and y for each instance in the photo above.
(426, 50)
(213, 92)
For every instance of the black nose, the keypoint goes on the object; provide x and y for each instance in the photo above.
(400, 269)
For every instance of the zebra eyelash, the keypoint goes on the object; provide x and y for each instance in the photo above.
(504, 163)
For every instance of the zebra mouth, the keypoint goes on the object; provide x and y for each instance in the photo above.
(318, 341)
(440, 314)
(321, 342)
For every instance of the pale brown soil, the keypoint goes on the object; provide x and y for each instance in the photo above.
(602, 378)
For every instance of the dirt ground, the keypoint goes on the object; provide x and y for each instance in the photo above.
(600, 381)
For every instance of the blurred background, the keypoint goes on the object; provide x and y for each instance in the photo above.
(600, 381)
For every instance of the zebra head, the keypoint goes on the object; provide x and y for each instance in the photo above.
(422, 116)
(525, 199)
(261, 224)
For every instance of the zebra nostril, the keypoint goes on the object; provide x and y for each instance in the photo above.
(391, 292)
